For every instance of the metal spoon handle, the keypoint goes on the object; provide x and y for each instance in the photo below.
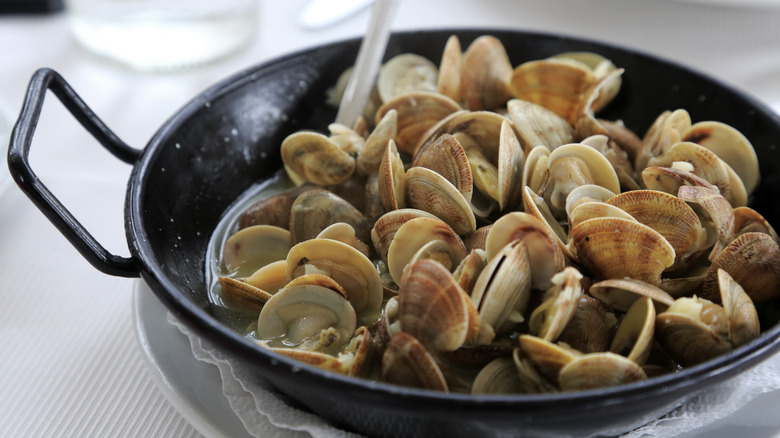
(368, 61)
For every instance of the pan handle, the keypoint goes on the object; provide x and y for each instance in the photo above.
(19, 165)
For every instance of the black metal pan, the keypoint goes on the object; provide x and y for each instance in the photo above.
(187, 176)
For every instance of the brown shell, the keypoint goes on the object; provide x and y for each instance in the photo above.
(417, 112)
(599, 370)
(587, 331)
(485, 74)
(546, 257)
(687, 339)
(392, 179)
(554, 84)
(406, 362)
(667, 214)
(429, 191)
(549, 358)
(387, 225)
(617, 248)
(371, 154)
(744, 325)
(634, 337)
(753, 260)
(621, 293)
(446, 156)
(450, 69)
(316, 158)
(433, 308)
(315, 210)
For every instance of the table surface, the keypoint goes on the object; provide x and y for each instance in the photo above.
(69, 361)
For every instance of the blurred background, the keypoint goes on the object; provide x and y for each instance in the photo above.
(68, 359)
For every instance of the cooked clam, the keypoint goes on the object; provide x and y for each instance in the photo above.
(404, 74)
(485, 74)
(407, 362)
(316, 159)
(311, 310)
(431, 192)
(253, 247)
(616, 248)
(434, 309)
(353, 271)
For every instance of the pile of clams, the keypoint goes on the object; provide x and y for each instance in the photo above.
(481, 230)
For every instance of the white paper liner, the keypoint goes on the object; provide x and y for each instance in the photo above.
(265, 415)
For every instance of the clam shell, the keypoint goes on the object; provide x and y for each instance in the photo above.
(707, 165)
(744, 325)
(599, 370)
(417, 113)
(546, 258)
(450, 69)
(274, 210)
(719, 210)
(413, 235)
(404, 74)
(497, 377)
(346, 265)
(537, 206)
(667, 214)
(371, 154)
(587, 331)
(446, 156)
(431, 192)
(485, 74)
(300, 311)
(593, 210)
(683, 334)
(574, 165)
(666, 130)
(242, 296)
(622, 293)
(392, 179)
(753, 260)
(634, 337)
(467, 271)
(535, 168)
(747, 220)
(387, 225)
(344, 232)
(586, 193)
(547, 357)
(434, 309)
(550, 319)
(669, 179)
(406, 362)
(510, 168)
(317, 209)
(616, 248)
(537, 125)
(316, 158)
(502, 291)
(555, 84)
(253, 247)
(731, 146)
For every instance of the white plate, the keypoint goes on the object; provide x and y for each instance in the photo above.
(174, 370)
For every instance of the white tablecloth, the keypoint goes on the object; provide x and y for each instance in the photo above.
(69, 363)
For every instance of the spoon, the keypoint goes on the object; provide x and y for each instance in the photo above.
(369, 58)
